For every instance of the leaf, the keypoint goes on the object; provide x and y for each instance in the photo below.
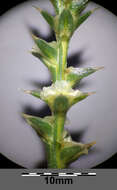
(65, 26)
(74, 75)
(55, 4)
(48, 63)
(49, 119)
(67, 2)
(71, 151)
(66, 136)
(46, 48)
(77, 6)
(58, 5)
(48, 17)
(40, 56)
(40, 125)
(35, 93)
(81, 96)
(83, 18)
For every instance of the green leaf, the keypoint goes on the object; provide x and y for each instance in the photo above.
(67, 3)
(77, 6)
(83, 18)
(48, 17)
(40, 57)
(35, 93)
(58, 5)
(81, 96)
(46, 48)
(40, 125)
(49, 119)
(74, 75)
(55, 4)
(71, 151)
(65, 26)
(48, 63)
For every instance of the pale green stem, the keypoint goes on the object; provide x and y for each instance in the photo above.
(54, 160)
(62, 59)
(60, 5)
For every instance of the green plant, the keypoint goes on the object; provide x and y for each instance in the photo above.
(61, 95)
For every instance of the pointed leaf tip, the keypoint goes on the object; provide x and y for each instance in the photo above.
(46, 48)
(25, 116)
(40, 125)
(26, 91)
(99, 68)
(56, 5)
(34, 37)
(92, 11)
(37, 8)
(47, 16)
(71, 151)
(91, 93)
(35, 93)
(74, 75)
(89, 145)
(83, 18)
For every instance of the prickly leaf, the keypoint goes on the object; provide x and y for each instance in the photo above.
(77, 6)
(55, 5)
(80, 96)
(74, 75)
(40, 125)
(82, 19)
(35, 93)
(65, 26)
(40, 56)
(71, 151)
(58, 5)
(50, 64)
(48, 17)
(46, 48)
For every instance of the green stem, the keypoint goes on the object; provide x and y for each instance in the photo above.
(60, 6)
(62, 59)
(59, 126)
(54, 160)
(53, 149)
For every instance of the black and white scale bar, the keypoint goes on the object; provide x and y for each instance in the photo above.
(58, 174)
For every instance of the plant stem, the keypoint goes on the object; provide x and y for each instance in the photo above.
(54, 160)
(62, 59)
(59, 126)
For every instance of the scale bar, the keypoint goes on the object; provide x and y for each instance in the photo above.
(67, 175)
(92, 173)
(58, 174)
